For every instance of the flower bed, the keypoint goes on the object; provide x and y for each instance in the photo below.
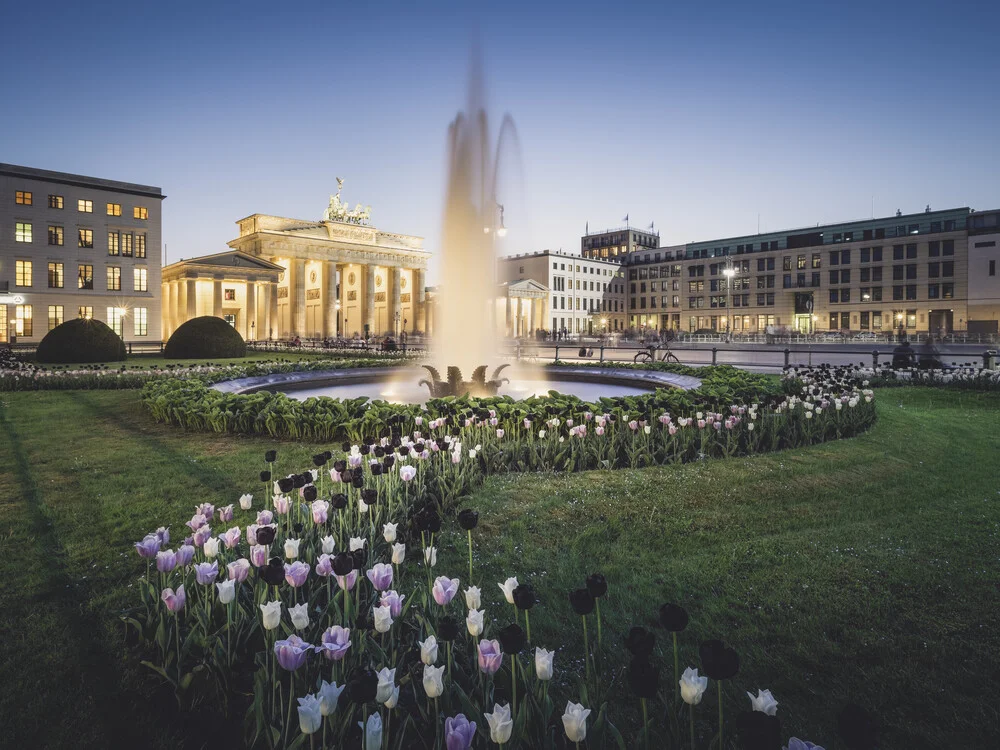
(968, 378)
(322, 606)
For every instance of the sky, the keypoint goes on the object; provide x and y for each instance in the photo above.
(700, 117)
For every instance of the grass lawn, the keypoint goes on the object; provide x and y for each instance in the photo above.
(862, 570)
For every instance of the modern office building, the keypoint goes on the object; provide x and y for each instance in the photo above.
(561, 292)
(615, 245)
(75, 246)
(924, 272)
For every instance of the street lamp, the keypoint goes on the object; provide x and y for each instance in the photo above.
(729, 272)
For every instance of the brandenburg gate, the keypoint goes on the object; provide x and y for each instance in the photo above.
(340, 276)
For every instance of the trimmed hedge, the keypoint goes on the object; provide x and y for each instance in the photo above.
(204, 337)
(81, 340)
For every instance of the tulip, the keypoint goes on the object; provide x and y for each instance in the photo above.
(459, 732)
(205, 572)
(508, 587)
(334, 643)
(474, 622)
(328, 544)
(149, 546)
(282, 505)
(300, 616)
(231, 537)
(692, 686)
(164, 534)
(310, 716)
(490, 656)
(444, 590)
(764, 702)
(381, 576)
(320, 509)
(373, 732)
(575, 721)
(473, 598)
(430, 556)
(428, 650)
(265, 534)
(166, 560)
(324, 566)
(346, 583)
(296, 573)
(271, 614)
(329, 696)
(640, 641)
(211, 547)
(393, 601)
(342, 563)
(292, 548)
(795, 743)
(258, 555)
(174, 600)
(264, 518)
(389, 532)
(543, 663)
(202, 535)
(386, 683)
(398, 553)
(433, 680)
(238, 570)
(501, 724)
(246, 502)
(383, 618)
(356, 543)
(185, 554)
(197, 521)
(393, 699)
(407, 473)
(226, 513)
(292, 652)
(227, 591)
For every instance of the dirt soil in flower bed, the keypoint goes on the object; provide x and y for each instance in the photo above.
(861, 570)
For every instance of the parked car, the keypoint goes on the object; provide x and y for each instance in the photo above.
(866, 336)
(830, 336)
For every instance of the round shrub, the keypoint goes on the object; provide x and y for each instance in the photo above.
(205, 338)
(81, 340)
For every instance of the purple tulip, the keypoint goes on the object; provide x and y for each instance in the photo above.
(148, 547)
(264, 517)
(296, 573)
(258, 555)
(319, 511)
(206, 509)
(459, 732)
(393, 601)
(381, 576)
(231, 537)
(292, 652)
(226, 514)
(205, 572)
(444, 590)
(164, 533)
(197, 521)
(335, 642)
(166, 560)
(490, 656)
(239, 570)
(347, 582)
(281, 505)
(185, 554)
(324, 566)
(174, 600)
(202, 535)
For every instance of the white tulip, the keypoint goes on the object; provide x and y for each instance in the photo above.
(310, 718)
(227, 590)
(246, 502)
(473, 598)
(329, 696)
(362, 506)
(500, 723)
(428, 650)
(386, 682)
(398, 553)
(389, 532)
(329, 545)
(373, 732)
(507, 587)
(211, 547)
(300, 616)
(764, 702)
(692, 686)
(541, 433)
(292, 548)
(393, 699)
(356, 543)
(575, 721)
(271, 615)
(474, 622)
(430, 556)
(433, 681)
(383, 619)
(543, 663)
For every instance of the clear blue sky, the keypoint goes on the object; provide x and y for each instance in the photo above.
(695, 116)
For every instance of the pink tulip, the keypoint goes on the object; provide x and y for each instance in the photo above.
(490, 656)
(347, 582)
(174, 600)
(239, 570)
(444, 590)
(231, 537)
(381, 576)
(393, 601)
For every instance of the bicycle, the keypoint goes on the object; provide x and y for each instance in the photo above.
(649, 356)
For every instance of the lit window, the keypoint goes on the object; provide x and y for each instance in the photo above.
(22, 198)
(22, 320)
(55, 201)
(140, 246)
(85, 207)
(86, 312)
(55, 275)
(114, 279)
(85, 277)
(116, 320)
(22, 232)
(113, 243)
(114, 209)
(127, 244)
(85, 238)
(3, 324)
(139, 321)
(139, 279)
(140, 212)
(22, 273)
(55, 316)
(229, 295)
(55, 235)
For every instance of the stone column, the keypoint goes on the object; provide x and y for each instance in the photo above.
(428, 318)
(394, 307)
(369, 307)
(330, 299)
(507, 320)
(191, 298)
(217, 298)
(250, 324)
(272, 310)
(297, 296)
(517, 317)
(419, 299)
(531, 318)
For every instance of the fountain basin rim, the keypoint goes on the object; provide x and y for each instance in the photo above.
(290, 381)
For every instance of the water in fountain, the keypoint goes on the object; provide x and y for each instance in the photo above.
(465, 326)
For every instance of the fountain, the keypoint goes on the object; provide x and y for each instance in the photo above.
(455, 386)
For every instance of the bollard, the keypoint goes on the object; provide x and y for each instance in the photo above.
(602, 355)
(557, 354)
(874, 359)
(787, 352)
(989, 359)
(715, 355)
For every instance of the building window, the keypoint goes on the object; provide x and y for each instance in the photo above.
(140, 245)
(834, 295)
(22, 232)
(993, 268)
(84, 206)
(23, 320)
(22, 198)
(897, 273)
(933, 270)
(911, 270)
(934, 249)
(55, 275)
(55, 316)
(948, 247)
(947, 291)
(114, 279)
(114, 209)
(800, 262)
(229, 295)
(897, 292)
(85, 277)
(834, 321)
(55, 235)
(834, 257)
(113, 247)
(948, 268)
(845, 295)
(816, 261)
(86, 312)
(897, 252)
(116, 320)
(139, 279)
(932, 291)
(127, 244)
(55, 201)
(139, 315)
(85, 238)
(911, 291)
(911, 251)
(22, 273)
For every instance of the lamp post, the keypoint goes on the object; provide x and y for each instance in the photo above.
(729, 272)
